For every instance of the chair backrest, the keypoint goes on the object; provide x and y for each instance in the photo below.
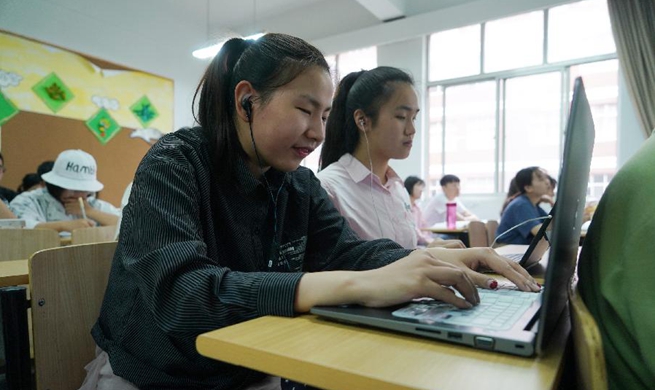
(477, 232)
(492, 226)
(588, 345)
(67, 287)
(20, 244)
(93, 234)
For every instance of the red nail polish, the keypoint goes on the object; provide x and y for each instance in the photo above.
(538, 284)
(493, 285)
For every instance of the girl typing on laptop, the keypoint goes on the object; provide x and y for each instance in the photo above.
(222, 226)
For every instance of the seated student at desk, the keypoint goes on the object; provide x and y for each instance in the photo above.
(521, 219)
(58, 205)
(414, 187)
(434, 210)
(223, 226)
(372, 122)
(616, 268)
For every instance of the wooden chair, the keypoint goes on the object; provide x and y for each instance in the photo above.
(68, 285)
(20, 244)
(477, 234)
(588, 344)
(93, 234)
(492, 226)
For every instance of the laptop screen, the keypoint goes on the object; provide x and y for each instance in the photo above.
(574, 176)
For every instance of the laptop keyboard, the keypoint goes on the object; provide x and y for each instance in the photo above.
(498, 310)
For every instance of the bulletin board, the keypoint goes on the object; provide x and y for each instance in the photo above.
(53, 99)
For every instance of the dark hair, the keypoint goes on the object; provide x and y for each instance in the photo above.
(512, 193)
(523, 178)
(44, 167)
(517, 186)
(411, 181)
(448, 179)
(268, 63)
(366, 90)
(29, 181)
(553, 182)
(2, 158)
(54, 190)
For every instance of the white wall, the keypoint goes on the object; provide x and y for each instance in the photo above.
(124, 32)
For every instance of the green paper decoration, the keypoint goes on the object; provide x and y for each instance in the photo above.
(144, 111)
(103, 126)
(53, 92)
(7, 109)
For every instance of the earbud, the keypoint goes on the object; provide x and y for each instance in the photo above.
(246, 103)
(361, 122)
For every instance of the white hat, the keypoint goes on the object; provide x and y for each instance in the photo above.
(74, 170)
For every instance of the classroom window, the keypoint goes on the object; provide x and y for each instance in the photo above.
(514, 42)
(579, 30)
(532, 124)
(485, 126)
(454, 53)
(601, 85)
(469, 144)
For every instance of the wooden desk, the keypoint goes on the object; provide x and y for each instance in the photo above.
(14, 273)
(335, 356)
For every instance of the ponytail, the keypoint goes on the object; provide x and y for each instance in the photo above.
(341, 132)
(215, 106)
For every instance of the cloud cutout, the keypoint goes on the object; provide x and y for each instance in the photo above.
(9, 79)
(105, 102)
(148, 134)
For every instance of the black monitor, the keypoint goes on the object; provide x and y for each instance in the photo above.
(571, 196)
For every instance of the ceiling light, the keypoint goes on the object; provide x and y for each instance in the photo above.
(211, 51)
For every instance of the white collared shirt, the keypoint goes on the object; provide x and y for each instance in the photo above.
(348, 183)
(39, 206)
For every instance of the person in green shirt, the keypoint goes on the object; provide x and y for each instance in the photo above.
(617, 271)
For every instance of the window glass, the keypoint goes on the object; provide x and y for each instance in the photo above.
(454, 53)
(601, 85)
(579, 30)
(435, 138)
(514, 42)
(356, 60)
(470, 126)
(532, 124)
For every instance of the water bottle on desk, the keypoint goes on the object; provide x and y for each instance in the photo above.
(451, 215)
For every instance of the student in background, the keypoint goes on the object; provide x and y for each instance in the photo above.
(57, 206)
(434, 210)
(414, 187)
(547, 200)
(533, 186)
(222, 226)
(44, 168)
(372, 122)
(6, 194)
(616, 268)
(30, 182)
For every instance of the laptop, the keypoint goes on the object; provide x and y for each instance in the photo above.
(538, 246)
(526, 329)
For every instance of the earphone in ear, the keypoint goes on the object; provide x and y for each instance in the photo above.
(246, 103)
(361, 122)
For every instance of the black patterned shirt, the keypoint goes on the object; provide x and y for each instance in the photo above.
(197, 254)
